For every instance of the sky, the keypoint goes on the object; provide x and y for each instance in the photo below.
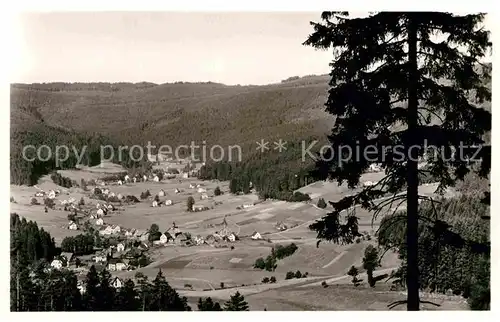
(230, 48)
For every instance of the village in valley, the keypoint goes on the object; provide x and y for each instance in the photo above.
(206, 240)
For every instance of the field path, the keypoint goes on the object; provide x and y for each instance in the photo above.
(335, 259)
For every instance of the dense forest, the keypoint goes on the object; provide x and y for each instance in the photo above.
(454, 251)
(34, 286)
(272, 174)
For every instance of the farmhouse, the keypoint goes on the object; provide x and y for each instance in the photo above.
(161, 193)
(101, 258)
(144, 237)
(247, 205)
(168, 202)
(107, 231)
(134, 179)
(68, 257)
(201, 190)
(116, 264)
(116, 229)
(144, 178)
(120, 247)
(99, 222)
(72, 226)
(119, 196)
(191, 186)
(156, 179)
(256, 235)
(40, 194)
(100, 212)
(155, 203)
(232, 237)
(127, 178)
(120, 182)
(56, 263)
(185, 175)
(204, 196)
(52, 194)
(198, 240)
(117, 282)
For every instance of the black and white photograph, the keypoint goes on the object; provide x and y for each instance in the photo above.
(314, 160)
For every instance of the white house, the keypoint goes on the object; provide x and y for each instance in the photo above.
(127, 178)
(100, 258)
(156, 179)
(73, 226)
(134, 179)
(107, 231)
(144, 178)
(116, 264)
(119, 196)
(56, 263)
(201, 190)
(52, 194)
(120, 247)
(177, 190)
(120, 182)
(100, 212)
(98, 205)
(116, 230)
(204, 196)
(185, 175)
(99, 222)
(198, 240)
(144, 237)
(256, 235)
(168, 202)
(117, 282)
(161, 193)
(40, 194)
(105, 191)
(231, 237)
(155, 203)
(247, 205)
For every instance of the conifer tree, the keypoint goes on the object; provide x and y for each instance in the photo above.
(401, 79)
(236, 303)
(127, 297)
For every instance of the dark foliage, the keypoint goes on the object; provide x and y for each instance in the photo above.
(392, 85)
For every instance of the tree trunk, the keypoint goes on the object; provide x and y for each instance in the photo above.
(412, 276)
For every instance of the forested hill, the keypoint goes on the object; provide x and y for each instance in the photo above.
(179, 113)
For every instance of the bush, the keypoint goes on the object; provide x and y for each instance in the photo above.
(49, 203)
(12, 200)
(217, 191)
(188, 286)
(265, 280)
(113, 199)
(321, 203)
(324, 284)
(131, 198)
(272, 279)
(299, 197)
(145, 195)
(34, 201)
(81, 202)
(221, 284)
(298, 274)
(190, 203)
(358, 240)
(289, 275)
(260, 263)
